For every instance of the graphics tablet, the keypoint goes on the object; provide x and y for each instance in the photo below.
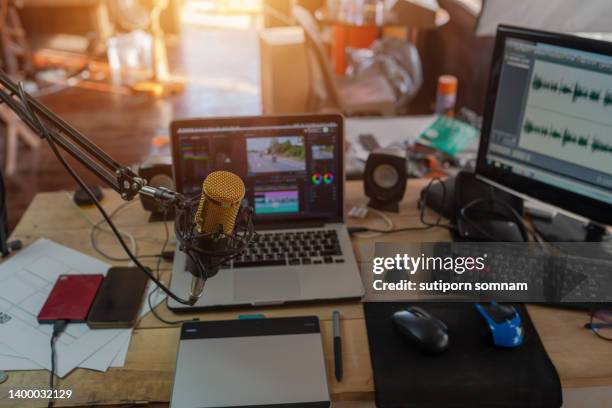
(251, 363)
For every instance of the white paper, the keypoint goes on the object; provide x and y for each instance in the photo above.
(111, 354)
(119, 360)
(10, 360)
(114, 353)
(26, 280)
(102, 359)
(12, 363)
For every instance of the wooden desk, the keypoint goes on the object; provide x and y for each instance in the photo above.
(581, 358)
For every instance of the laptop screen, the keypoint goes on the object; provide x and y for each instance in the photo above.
(291, 166)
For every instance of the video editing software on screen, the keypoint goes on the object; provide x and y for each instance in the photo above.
(290, 171)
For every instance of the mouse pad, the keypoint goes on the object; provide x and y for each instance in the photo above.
(470, 373)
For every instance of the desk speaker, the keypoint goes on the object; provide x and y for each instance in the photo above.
(385, 178)
(157, 170)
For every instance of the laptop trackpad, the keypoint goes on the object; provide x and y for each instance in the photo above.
(266, 285)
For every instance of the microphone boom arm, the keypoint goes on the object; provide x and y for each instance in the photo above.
(208, 251)
(118, 177)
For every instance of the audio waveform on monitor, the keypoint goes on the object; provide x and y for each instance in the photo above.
(576, 91)
(567, 136)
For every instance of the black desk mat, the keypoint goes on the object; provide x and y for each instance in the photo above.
(471, 373)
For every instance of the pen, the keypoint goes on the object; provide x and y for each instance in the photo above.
(337, 345)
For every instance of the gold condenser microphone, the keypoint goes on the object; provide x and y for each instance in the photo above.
(222, 194)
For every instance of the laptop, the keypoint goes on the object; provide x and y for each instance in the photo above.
(251, 363)
(293, 170)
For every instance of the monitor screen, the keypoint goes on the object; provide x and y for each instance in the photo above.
(292, 168)
(548, 131)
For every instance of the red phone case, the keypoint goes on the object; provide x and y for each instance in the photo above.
(71, 298)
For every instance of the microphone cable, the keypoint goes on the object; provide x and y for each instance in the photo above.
(157, 274)
(47, 135)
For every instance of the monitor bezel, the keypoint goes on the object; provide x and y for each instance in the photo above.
(270, 120)
(589, 208)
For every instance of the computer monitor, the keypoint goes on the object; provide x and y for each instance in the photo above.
(292, 166)
(547, 128)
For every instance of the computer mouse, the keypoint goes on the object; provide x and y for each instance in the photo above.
(427, 333)
(503, 322)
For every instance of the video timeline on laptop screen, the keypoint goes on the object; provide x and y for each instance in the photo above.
(290, 171)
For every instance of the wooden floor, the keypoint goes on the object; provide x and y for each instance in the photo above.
(221, 67)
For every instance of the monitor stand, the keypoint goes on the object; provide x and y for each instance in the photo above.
(563, 229)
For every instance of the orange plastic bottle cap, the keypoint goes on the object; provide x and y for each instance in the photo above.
(447, 84)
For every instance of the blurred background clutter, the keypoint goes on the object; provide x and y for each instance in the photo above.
(121, 70)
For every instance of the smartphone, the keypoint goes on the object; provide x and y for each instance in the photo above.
(119, 299)
(70, 299)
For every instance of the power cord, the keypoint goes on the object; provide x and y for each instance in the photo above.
(98, 226)
(58, 328)
(371, 234)
(426, 224)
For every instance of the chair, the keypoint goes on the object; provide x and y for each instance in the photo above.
(372, 95)
(15, 53)
(15, 60)
(15, 130)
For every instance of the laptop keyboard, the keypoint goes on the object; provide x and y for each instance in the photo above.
(320, 246)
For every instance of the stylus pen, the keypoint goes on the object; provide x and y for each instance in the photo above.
(337, 345)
